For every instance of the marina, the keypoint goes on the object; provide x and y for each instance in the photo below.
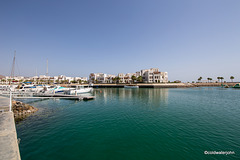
(48, 92)
(144, 123)
(119, 80)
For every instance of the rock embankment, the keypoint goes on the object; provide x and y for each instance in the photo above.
(22, 110)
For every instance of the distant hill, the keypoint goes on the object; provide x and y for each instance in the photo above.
(1, 76)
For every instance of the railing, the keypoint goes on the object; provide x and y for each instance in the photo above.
(10, 104)
(14, 94)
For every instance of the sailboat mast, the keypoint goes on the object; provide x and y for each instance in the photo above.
(13, 65)
(12, 71)
(47, 68)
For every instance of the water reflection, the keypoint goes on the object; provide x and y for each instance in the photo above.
(150, 96)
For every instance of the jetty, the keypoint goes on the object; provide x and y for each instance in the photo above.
(56, 96)
(9, 149)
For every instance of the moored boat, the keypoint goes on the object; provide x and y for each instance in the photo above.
(56, 89)
(237, 86)
(225, 86)
(131, 86)
(78, 90)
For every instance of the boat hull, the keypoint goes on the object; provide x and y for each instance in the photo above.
(134, 87)
(79, 91)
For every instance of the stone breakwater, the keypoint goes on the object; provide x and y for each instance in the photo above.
(22, 110)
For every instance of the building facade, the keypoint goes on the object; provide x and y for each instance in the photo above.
(153, 75)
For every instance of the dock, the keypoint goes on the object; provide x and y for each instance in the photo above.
(57, 96)
(9, 149)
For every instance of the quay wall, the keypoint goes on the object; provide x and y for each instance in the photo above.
(9, 149)
(159, 85)
(164, 85)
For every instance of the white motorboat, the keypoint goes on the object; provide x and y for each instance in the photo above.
(78, 90)
(55, 89)
(131, 86)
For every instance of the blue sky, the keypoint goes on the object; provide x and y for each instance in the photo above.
(187, 38)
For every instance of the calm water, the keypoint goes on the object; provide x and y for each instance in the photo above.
(135, 124)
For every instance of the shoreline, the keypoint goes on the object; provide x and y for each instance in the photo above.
(159, 85)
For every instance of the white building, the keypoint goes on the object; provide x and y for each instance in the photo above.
(83, 79)
(121, 77)
(153, 75)
(110, 78)
(98, 78)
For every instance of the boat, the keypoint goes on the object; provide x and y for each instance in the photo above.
(237, 85)
(131, 86)
(225, 86)
(26, 88)
(55, 89)
(78, 90)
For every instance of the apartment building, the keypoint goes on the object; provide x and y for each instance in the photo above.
(153, 75)
(110, 78)
(98, 78)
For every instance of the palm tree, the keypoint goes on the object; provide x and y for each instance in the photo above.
(114, 79)
(221, 79)
(232, 78)
(133, 78)
(139, 79)
(93, 80)
(208, 79)
(117, 79)
(199, 79)
(79, 81)
(218, 78)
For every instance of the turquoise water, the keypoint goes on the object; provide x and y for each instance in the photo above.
(135, 124)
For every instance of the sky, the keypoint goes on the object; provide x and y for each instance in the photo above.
(187, 38)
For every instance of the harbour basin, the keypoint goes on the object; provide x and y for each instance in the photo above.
(144, 123)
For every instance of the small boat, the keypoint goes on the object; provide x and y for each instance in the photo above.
(78, 90)
(26, 88)
(56, 89)
(237, 86)
(131, 86)
(225, 86)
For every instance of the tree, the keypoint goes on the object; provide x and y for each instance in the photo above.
(209, 79)
(221, 78)
(232, 78)
(114, 79)
(199, 79)
(218, 78)
(133, 78)
(118, 79)
(139, 79)
(79, 81)
(93, 80)
(73, 81)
